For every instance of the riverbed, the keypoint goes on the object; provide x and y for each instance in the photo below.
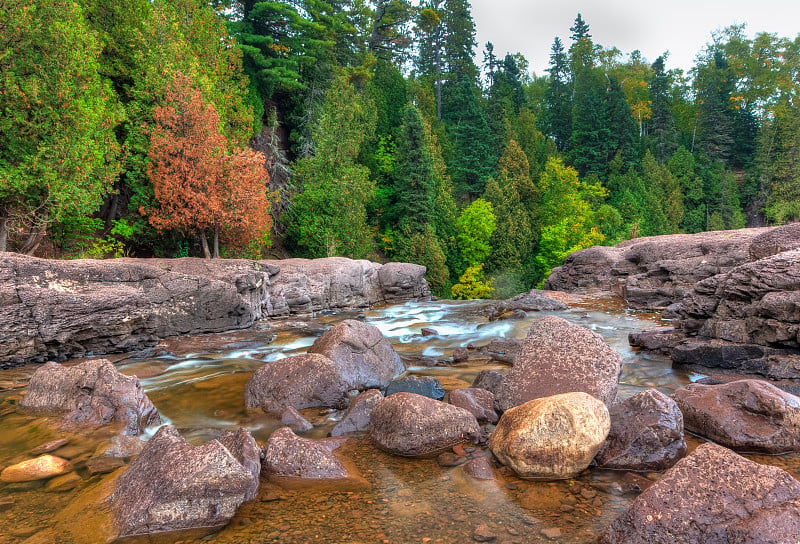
(197, 385)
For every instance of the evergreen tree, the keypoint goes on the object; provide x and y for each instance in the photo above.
(459, 40)
(557, 120)
(661, 129)
(683, 167)
(415, 185)
(622, 127)
(591, 139)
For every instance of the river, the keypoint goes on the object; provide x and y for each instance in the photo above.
(198, 387)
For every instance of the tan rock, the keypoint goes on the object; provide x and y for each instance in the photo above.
(551, 438)
(40, 468)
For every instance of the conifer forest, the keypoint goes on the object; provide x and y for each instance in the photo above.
(376, 129)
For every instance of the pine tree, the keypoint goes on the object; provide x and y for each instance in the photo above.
(661, 129)
(557, 120)
(622, 127)
(414, 179)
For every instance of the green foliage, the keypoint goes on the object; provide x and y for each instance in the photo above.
(471, 284)
(475, 227)
(422, 247)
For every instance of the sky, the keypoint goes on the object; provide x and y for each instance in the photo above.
(682, 27)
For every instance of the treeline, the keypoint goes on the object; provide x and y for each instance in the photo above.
(367, 129)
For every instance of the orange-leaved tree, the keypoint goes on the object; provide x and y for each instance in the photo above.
(202, 186)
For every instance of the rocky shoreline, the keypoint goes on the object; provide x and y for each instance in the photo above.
(54, 310)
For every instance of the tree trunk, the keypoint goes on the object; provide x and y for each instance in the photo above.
(204, 242)
(216, 241)
(3, 233)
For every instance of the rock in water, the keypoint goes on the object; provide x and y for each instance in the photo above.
(559, 357)
(713, 495)
(365, 358)
(479, 402)
(357, 416)
(646, 434)
(173, 485)
(551, 438)
(91, 393)
(288, 455)
(415, 426)
(245, 449)
(427, 386)
(40, 468)
(300, 381)
(532, 301)
(744, 415)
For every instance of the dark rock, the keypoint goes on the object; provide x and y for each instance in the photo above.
(559, 357)
(364, 358)
(427, 386)
(288, 455)
(774, 241)
(356, 418)
(483, 533)
(244, 449)
(460, 355)
(489, 380)
(713, 495)
(477, 401)
(173, 485)
(646, 434)
(660, 340)
(480, 468)
(745, 415)
(426, 331)
(415, 426)
(301, 381)
(104, 465)
(505, 350)
(532, 301)
(91, 393)
(295, 420)
(6, 503)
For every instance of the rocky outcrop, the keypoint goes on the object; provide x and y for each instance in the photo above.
(654, 272)
(713, 495)
(61, 309)
(288, 455)
(363, 357)
(646, 434)
(415, 426)
(173, 485)
(301, 381)
(559, 357)
(91, 393)
(744, 415)
(551, 438)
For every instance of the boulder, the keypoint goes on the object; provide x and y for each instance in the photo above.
(460, 355)
(91, 393)
(415, 426)
(244, 449)
(357, 416)
(646, 434)
(532, 301)
(43, 467)
(427, 386)
(301, 381)
(479, 468)
(173, 485)
(403, 281)
(713, 495)
(295, 420)
(363, 357)
(489, 380)
(505, 350)
(744, 415)
(551, 438)
(478, 402)
(559, 357)
(288, 455)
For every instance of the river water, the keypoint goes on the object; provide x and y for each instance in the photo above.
(198, 387)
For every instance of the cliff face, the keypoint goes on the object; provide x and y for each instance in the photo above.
(61, 309)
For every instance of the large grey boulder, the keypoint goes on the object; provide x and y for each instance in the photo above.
(173, 485)
(91, 393)
(301, 381)
(411, 425)
(363, 356)
(290, 456)
(532, 301)
(551, 438)
(560, 357)
(744, 415)
(713, 495)
(646, 434)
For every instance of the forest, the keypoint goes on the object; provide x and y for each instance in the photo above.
(375, 129)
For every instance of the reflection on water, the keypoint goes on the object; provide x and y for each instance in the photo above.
(198, 387)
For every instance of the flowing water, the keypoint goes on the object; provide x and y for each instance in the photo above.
(198, 387)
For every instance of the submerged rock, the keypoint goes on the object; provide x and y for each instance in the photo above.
(288, 455)
(40, 468)
(363, 356)
(173, 485)
(91, 393)
(744, 415)
(551, 438)
(301, 381)
(713, 495)
(357, 416)
(646, 434)
(559, 357)
(415, 426)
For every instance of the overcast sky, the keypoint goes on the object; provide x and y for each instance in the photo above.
(682, 27)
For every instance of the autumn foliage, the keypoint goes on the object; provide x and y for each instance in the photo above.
(202, 186)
